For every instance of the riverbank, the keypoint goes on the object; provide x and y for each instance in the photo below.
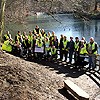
(80, 15)
(40, 80)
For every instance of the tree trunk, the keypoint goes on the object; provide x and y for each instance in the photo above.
(3, 3)
(95, 8)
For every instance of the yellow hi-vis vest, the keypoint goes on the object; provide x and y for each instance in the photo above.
(92, 47)
(30, 38)
(39, 44)
(24, 42)
(52, 37)
(6, 46)
(83, 50)
(6, 36)
(76, 46)
(18, 38)
(35, 31)
(23, 36)
(47, 43)
(53, 51)
(64, 44)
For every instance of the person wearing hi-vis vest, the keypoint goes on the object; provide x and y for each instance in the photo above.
(18, 37)
(92, 49)
(81, 56)
(47, 47)
(39, 43)
(25, 45)
(40, 46)
(30, 39)
(53, 54)
(76, 54)
(36, 30)
(7, 45)
(7, 36)
(65, 47)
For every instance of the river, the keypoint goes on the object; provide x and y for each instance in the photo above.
(65, 24)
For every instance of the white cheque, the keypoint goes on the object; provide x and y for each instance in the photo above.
(41, 50)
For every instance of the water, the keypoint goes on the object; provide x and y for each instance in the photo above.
(65, 24)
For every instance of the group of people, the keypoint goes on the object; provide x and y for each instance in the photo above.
(39, 44)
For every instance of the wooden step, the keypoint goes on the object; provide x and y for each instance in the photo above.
(75, 90)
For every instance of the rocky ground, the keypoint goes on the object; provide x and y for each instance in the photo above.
(42, 80)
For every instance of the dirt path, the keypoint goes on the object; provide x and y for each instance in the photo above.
(42, 80)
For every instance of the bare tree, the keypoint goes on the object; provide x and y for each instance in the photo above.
(3, 3)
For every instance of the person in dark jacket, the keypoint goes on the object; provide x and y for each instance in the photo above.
(25, 45)
(71, 47)
(60, 47)
(33, 44)
(55, 42)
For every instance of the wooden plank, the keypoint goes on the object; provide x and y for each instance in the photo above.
(75, 90)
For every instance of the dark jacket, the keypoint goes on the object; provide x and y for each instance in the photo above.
(71, 46)
(61, 43)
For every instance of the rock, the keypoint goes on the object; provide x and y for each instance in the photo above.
(97, 97)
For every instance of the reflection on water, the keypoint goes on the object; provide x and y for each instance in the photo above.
(62, 24)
